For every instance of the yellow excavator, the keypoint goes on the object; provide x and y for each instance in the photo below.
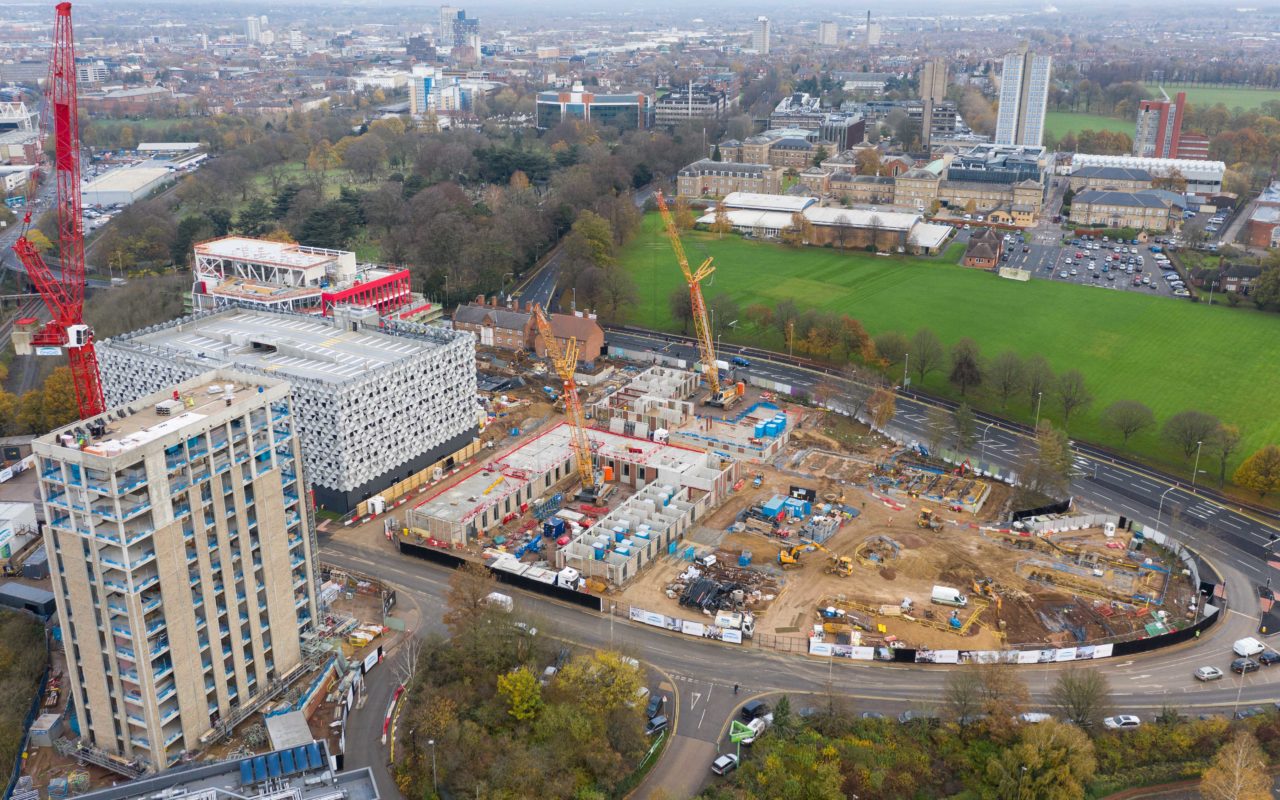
(790, 557)
(929, 519)
(985, 587)
(837, 564)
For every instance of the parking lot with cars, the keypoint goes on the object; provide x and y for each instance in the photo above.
(1102, 262)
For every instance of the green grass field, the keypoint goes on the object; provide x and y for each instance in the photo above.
(1231, 97)
(1171, 355)
(1060, 123)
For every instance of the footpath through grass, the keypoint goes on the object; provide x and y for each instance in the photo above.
(1170, 354)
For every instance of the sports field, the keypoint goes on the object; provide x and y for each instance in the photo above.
(1229, 96)
(1171, 355)
(1060, 123)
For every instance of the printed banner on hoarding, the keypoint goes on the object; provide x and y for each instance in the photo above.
(687, 627)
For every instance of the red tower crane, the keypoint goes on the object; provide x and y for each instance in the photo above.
(63, 293)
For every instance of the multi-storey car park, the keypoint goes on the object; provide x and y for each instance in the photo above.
(376, 401)
(183, 560)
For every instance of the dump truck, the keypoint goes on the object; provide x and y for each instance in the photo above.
(738, 621)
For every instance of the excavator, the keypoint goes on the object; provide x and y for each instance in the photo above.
(790, 557)
(985, 587)
(836, 564)
(929, 519)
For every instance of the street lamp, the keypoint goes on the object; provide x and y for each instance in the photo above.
(1160, 508)
(1196, 468)
(1039, 397)
(906, 362)
(435, 784)
(983, 452)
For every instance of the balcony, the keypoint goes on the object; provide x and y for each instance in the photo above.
(131, 676)
(161, 669)
(168, 715)
(122, 630)
(115, 608)
(168, 691)
(155, 627)
(181, 510)
(173, 737)
(126, 653)
(134, 719)
(133, 697)
(138, 741)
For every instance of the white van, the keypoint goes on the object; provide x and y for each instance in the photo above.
(1248, 646)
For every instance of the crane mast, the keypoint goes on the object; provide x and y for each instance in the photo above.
(722, 397)
(564, 361)
(63, 293)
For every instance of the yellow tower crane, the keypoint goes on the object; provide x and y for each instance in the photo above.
(564, 361)
(720, 397)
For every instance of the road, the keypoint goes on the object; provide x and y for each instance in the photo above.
(701, 675)
(540, 287)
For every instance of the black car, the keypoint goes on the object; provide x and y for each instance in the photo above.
(1268, 657)
(754, 710)
(1244, 665)
(656, 703)
(658, 723)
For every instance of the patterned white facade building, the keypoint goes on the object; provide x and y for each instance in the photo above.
(376, 401)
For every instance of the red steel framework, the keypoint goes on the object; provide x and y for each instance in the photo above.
(63, 294)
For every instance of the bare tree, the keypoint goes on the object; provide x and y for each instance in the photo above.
(966, 365)
(1223, 443)
(1082, 696)
(882, 404)
(1073, 395)
(1128, 417)
(1008, 375)
(926, 352)
(1039, 378)
(1187, 430)
(1238, 772)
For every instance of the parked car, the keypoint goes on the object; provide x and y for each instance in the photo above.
(724, 764)
(1121, 722)
(1268, 657)
(656, 703)
(1208, 674)
(754, 709)
(653, 726)
(1243, 666)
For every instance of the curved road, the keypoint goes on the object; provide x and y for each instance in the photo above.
(701, 675)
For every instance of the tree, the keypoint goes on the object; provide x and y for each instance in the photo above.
(465, 602)
(256, 218)
(1238, 772)
(868, 161)
(722, 223)
(1082, 695)
(1260, 472)
(683, 214)
(1073, 395)
(1187, 430)
(30, 414)
(761, 315)
(365, 155)
(8, 413)
(591, 239)
(854, 339)
(1047, 473)
(39, 241)
(1039, 379)
(939, 421)
(1051, 761)
(966, 365)
(1128, 417)
(965, 425)
(962, 695)
(322, 158)
(1007, 375)
(882, 405)
(891, 347)
(1223, 443)
(926, 352)
(523, 693)
(681, 306)
(1266, 289)
(605, 676)
(58, 399)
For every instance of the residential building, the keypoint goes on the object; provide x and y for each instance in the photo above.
(707, 178)
(688, 103)
(1159, 127)
(1193, 147)
(760, 36)
(377, 400)
(580, 326)
(183, 559)
(457, 31)
(1141, 210)
(1122, 179)
(1204, 178)
(140, 101)
(933, 93)
(624, 111)
(283, 276)
(789, 148)
(432, 92)
(1024, 96)
(506, 327)
(1239, 278)
(1263, 227)
(95, 72)
(253, 29)
(828, 34)
(298, 772)
(984, 248)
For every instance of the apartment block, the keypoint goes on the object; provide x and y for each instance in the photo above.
(1024, 96)
(377, 400)
(182, 555)
(1159, 127)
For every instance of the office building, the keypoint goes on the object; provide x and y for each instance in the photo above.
(457, 31)
(933, 92)
(760, 36)
(183, 557)
(283, 276)
(828, 34)
(253, 29)
(707, 178)
(624, 111)
(298, 772)
(377, 400)
(686, 103)
(1147, 210)
(1024, 95)
(1158, 132)
(96, 72)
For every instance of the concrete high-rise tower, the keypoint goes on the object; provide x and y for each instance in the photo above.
(253, 29)
(760, 36)
(828, 34)
(184, 560)
(1158, 133)
(933, 90)
(1024, 96)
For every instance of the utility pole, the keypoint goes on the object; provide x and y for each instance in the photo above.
(1039, 397)
(906, 362)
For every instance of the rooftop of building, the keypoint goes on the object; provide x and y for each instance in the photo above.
(1108, 173)
(707, 165)
(127, 179)
(282, 779)
(158, 415)
(291, 346)
(1129, 199)
(1186, 166)
(265, 251)
(767, 202)
(1267, 215)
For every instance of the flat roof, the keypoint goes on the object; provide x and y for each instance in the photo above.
(127, 179)
(168, 147)
(285, 345)
(757, 201)
(862, 218)
(22, 591)
(283, 254)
